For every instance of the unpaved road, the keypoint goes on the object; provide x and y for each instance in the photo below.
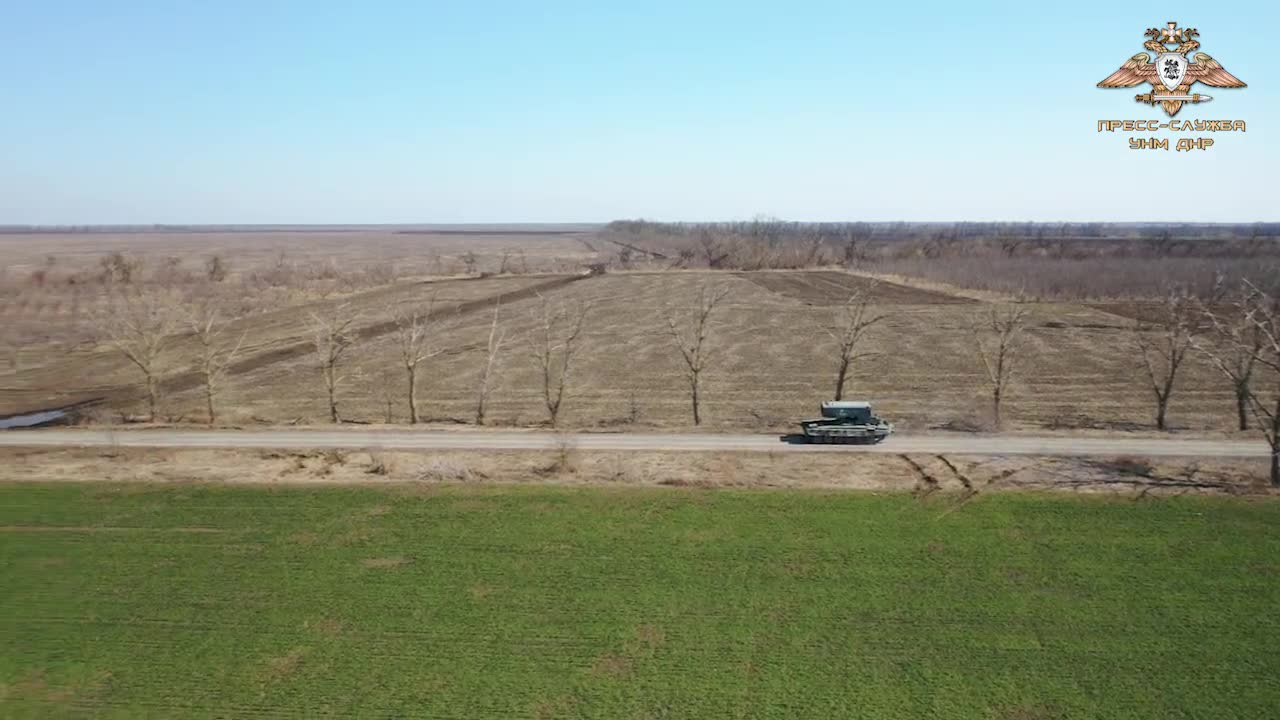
(354, 438)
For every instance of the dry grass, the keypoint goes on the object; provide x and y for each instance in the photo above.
(833, 288)
(775, 360)
(1074, 279)
(438, 469)
(869, 472)
(411, 253)
(52, 285)
(51, 374)
(775, 363)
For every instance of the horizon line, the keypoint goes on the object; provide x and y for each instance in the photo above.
(9, 227)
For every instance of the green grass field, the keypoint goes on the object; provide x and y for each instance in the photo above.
(474, 602)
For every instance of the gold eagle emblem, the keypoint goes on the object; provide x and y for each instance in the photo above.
(1171, 75)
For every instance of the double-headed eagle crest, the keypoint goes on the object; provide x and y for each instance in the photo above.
(1171, 75)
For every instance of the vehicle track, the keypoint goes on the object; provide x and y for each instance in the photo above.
(187, 380)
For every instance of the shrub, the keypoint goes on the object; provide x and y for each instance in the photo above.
(443, 469)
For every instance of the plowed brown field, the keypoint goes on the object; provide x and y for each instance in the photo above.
(834, 288)
(774, 361)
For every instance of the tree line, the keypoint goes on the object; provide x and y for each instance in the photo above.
(1237, 330)
(768, 243)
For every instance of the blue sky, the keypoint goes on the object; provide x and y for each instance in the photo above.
(316, 112)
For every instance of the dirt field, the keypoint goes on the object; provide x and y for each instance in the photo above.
(774, 365)
(774, 358)
(921, 474)
(90, 371)
(834, 288)
(52, 285)
(413, 252)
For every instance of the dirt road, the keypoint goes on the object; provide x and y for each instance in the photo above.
(351, 438)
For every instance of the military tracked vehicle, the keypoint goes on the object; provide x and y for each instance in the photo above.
(846, 422)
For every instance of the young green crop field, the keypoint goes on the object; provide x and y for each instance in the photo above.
(521, 601)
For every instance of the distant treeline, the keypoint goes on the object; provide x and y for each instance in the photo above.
(901, 230)
(1051, 260)
(409, 228)
(757, 244)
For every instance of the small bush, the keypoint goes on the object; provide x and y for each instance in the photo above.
(1130, 466)
(379, 463)
(440, 469)
(215, 268)
(566, 458)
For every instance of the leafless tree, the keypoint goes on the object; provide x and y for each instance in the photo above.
(413, 340)
(169, 272)
(215, 268)
(852, 322)
(385, 382)
(711, 247)
(998, 334)
(118, 269)
(333, 333)
(690, 330)
(1164, 345)
(854, 238)
(1235, 343)
(497, 337)
(432, 263)
(1010, 244)
(209, 328)
(1239, 342)
(1261, 311)
(553, 344)
(140, 326)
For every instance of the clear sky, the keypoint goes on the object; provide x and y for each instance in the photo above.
(408, 111)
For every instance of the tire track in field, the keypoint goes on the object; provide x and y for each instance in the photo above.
(190, 379)
(827, 287)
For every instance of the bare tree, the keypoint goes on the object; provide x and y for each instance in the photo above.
(333, 334)
(553, 343)
(1260, 311)
(1239, 343)
(140, 326)
(215, 268)
(1164, 345)
(998, 334)
(497, 337)
(413, 339)
(169, 272)
(385, 390)
(119, 269)
(690, 331)
(711, 246)
(854, 238)
(852, 322)
(216, 354)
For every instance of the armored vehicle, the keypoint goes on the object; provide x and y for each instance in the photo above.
(846, 422)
